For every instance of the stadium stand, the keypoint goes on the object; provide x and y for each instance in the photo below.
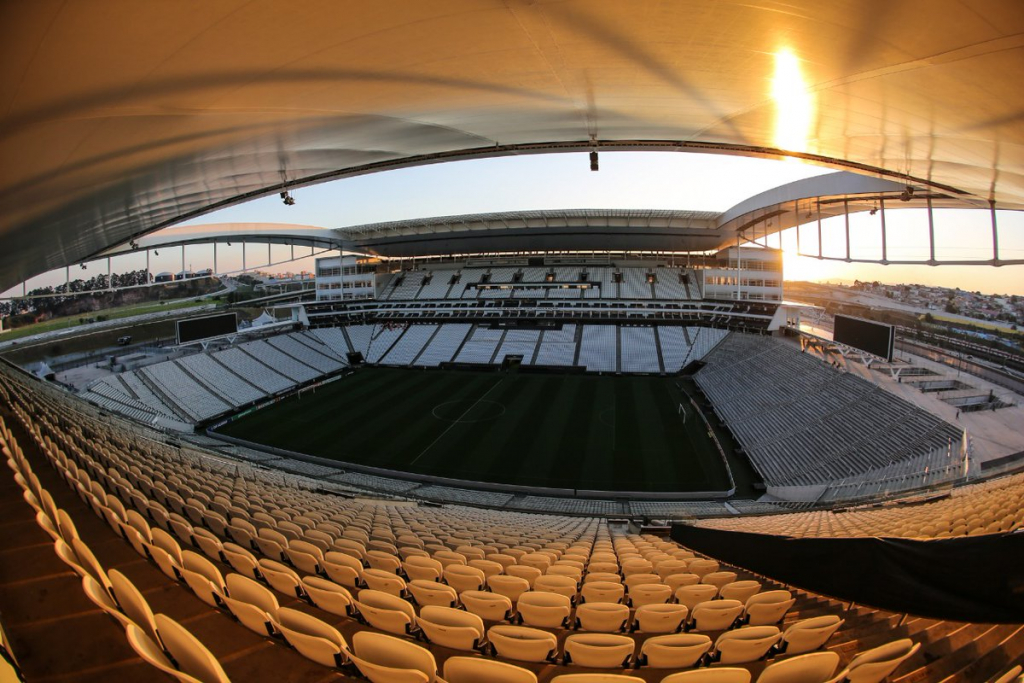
(518, 343)
(252, 370)
(405, 351)
(598, 348)
(639, 349)
(445, 343)
(334, 339)
(557, 347)
(480, 346)
(982, 508)
(283, 363)
(803, 422)
(238, 390)
(205, 530)
(188, 395)
(675, 347)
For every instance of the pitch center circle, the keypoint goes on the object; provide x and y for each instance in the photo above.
(468, 411)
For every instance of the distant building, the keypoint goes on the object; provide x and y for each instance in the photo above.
(345, 278)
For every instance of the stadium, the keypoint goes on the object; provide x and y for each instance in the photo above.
(561, 445)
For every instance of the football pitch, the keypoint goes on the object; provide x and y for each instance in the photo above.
(575, 431)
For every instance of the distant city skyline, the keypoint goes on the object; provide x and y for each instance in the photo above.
(626, 180)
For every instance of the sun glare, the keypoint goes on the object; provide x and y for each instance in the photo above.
(794, 103)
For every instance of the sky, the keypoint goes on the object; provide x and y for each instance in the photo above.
(651, 180)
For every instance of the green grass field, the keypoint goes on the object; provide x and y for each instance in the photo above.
(566, 431)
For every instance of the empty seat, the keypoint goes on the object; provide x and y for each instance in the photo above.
(768, 608)
(523, 643)
(102, 599)
(738, 590)
(450, 627)
(816, 667)
(151, 653)
(531, 574)
(252, 604)
(132, 603)
(747, 644)
(715, 615)
(342, 569)
(563, 585)
(313, 638)
(547, 610)
(463, 577)
(381, 580)
(385, 611)
(327, 595)
(191, 656)
(702, 567)
(875, 664)
(203, 578)
(675, 581)
(599, 650)
(385, 659)
(422, 568)
(808, 635)
(602, 616)
(676, 651)
(649, 594)
(727, 674)
(426, 592)
(691, 596)
(659, 618)
(477, 669)
(489, 606)
(596, 678)
(719, 579)
(602, 591)
(281, 578)
(509, 586)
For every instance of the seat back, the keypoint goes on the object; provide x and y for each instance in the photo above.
(809, 668)
(490, 606)
(475, 670)
(875, 664)
(659, 618)
(191, 655)
(725, 674)
(810, 634)
(146, 648)
(716, 615)
(450, 627)
(691, 596)
(133, 604)
(522, 643)
(314, 639)
(747, 644)
(599, 650)
(602, 616)
(677, 651)
(395, 653)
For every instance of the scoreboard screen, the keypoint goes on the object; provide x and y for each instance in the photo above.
(195, 329)
(874, 338)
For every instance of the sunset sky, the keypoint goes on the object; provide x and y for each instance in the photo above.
(626, 180)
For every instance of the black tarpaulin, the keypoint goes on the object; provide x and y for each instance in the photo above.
(975, 578)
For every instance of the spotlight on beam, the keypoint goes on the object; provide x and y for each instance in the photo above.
(907, 194)
(593, 160)
(873, 211)
(287, 198)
